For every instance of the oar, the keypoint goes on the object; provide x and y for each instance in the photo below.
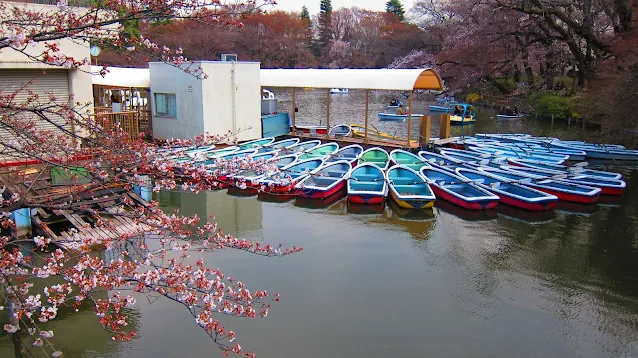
(469, 181)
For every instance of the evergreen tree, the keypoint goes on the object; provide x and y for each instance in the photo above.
(305, 15)
(325, 23)
(395, 7)
(305, 18)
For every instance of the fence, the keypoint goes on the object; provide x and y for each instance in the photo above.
(126, 121)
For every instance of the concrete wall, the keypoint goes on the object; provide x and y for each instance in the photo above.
(80, 86)
(189, 95)
(218, 102)
(206, 106)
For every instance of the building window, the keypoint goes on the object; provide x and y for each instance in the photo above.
(166, 104)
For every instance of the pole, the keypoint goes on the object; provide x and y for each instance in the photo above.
(293, 110)
(409, 117)
(365, 136)
(327, 111)
(234, 96)
(444, 126)
(424, 127)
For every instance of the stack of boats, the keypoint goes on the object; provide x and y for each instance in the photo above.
(476, 173)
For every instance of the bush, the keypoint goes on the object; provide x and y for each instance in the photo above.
(472, 97)
(548, 104)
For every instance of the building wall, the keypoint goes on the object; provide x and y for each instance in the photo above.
(80, 86)
(218, 102)
(190, 108)
(206, 106)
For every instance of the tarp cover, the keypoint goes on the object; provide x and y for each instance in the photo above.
(121, 77)
(388, 79)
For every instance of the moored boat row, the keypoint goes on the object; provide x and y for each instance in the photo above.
(486, 173)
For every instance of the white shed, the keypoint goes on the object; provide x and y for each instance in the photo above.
(227, 102)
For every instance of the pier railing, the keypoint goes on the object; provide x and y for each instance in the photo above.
(128, 122)
(131, 122)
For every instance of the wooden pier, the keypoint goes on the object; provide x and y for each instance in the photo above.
(72, 213)
(423, 142)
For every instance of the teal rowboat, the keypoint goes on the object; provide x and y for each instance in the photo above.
(377, 156)
(408, 188)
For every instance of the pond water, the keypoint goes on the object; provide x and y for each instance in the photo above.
(349, 108)
(380, 282)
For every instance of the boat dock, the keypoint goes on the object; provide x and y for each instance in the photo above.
(424, 137)
(70, 213)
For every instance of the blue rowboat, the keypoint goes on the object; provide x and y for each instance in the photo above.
(325, 181)
(451, 187)
(609, 153)
(348, 153)
(397, 117)
(285, 180)
(340, 130)
(511, 154)
(407, 159)
(564, 190)
(472, 159)
(441, 161)
(247, 179)
(366, 184)
(239, 154)
(510, 193)
(506, 117)
(408, 188)
(279, 145)
(608, 186)
(256, 143)
(436, 108)
(573, 170)
(574, 154)
(517, 151)
(302, 147)
(322, 151)
(200, 154)
(377, 156)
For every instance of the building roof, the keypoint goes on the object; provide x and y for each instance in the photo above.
(121, 77)
(381, 79)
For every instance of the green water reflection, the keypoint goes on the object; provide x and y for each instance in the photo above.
(380, 282)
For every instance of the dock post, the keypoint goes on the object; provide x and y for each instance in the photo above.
(552, 122)
(365, 135)
(409, 118)
(22, 220)
(294, 105)
(327, 111)
(445, 126)
(424, 130)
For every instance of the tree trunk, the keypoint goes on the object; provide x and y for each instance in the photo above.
(624, 14)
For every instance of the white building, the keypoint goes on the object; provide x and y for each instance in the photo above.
(228, 102)
(70, 86)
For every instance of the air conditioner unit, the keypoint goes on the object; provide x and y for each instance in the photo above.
(229, 57)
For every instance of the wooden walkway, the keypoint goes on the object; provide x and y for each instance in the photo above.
(393, 144)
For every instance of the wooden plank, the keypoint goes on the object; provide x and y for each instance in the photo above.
(36, 220)
(43, 213)
(128, 226)
(74, 219)
(138, 198)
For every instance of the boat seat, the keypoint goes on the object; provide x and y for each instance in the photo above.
(335, 174)
(363, 177)
(403, 187)
(402, 181)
